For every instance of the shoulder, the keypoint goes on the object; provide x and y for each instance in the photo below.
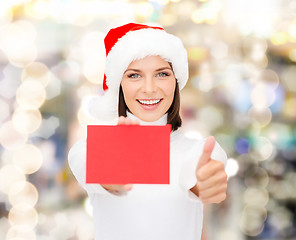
(193, 146)
(180, 140)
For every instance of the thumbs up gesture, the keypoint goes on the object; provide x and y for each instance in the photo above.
(211, 177)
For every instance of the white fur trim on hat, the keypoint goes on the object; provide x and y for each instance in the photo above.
(141, 43)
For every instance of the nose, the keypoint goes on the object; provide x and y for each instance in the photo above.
(149, 85)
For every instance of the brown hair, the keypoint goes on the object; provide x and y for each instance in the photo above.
(173, 113)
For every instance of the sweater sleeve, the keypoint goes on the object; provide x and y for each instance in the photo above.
(77, 163)
(187, 175)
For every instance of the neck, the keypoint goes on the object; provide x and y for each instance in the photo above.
(160, 121)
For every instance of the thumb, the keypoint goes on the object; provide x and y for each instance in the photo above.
(207, 151)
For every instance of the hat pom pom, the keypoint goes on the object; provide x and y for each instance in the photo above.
(103, 109)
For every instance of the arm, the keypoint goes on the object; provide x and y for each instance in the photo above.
(77, 163)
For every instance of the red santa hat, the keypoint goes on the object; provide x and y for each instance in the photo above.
(130, 42)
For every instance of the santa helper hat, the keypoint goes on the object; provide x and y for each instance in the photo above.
(125, 44)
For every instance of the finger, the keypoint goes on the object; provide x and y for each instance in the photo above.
(215, 180)
(207, 151)
(129, 121)
(210, 169)
(213, 191)
(120, 188)
(121, 120)
(216, 199)
(128, 187)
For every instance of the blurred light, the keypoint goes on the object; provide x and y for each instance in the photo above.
(22, 55)
(84, 91)
(288, 78)
(257, 197)
(10, 82)
(263, 148)
(207, 13)
(54, 88)
(281, 189)
(93, 70)
(30, 94)
(28, 158)
(256, 176)
(37, 9)
(279, 134)
(262, 96)
(23, 193)
(88, 207)
(5, 111)
(228, 142)
(270, 78)
(92, 43)
(6, 16)
(84, 118)
(239, 92)
(210, 116)
(17, 42)
(12, 3)
(261, 116)
(193, 134)
(278, 104)
(168, 19)
(9, 175)
(232, 167)
(36, 71)
(62, 229)
(93, 51)
(292, 31)
(219, 50)
(144, 9)
(24, 216)
(289, 109)
(108, 8)
(279, 38)
(26, 121)
(292, 55)
(10, 138)
(161, 2)
(197, 53)
(205, 81)
(19, 233)
(255, 48)
(251, 17)
(48, 127)
(242, 146)
(281, 218)
(69, 71)
(252, 220)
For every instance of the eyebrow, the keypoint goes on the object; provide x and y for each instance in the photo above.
(159, 69)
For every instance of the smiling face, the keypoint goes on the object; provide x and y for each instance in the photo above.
(148, 87)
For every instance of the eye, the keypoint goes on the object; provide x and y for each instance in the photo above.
(134, 75)
(162, 74)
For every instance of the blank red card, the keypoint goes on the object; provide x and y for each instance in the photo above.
(128, 154)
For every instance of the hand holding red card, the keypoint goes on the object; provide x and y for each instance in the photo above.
(128, 154)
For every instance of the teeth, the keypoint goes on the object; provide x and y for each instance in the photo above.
(149, 102)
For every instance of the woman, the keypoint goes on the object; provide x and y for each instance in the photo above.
(145, 70)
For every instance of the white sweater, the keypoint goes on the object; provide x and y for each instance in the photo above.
(150, 211)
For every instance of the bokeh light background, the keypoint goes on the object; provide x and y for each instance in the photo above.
(242, 89)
